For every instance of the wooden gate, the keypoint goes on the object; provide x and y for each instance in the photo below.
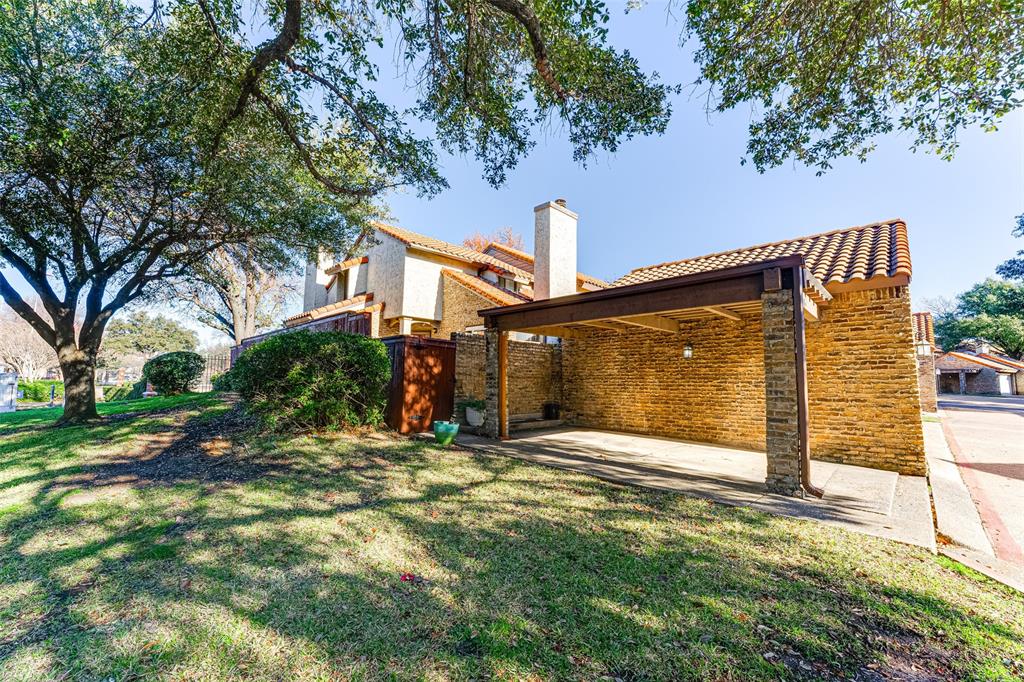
(422, 387)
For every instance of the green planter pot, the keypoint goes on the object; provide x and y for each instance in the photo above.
(445, 432)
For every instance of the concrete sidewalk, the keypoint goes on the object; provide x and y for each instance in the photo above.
(870, 501)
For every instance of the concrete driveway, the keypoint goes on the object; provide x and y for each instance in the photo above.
(986, 435)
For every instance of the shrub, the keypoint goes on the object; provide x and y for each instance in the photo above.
(39, 391)
(223, 381)
(314, 380)
(172, 373)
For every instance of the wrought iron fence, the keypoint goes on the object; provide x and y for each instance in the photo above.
(216, 363)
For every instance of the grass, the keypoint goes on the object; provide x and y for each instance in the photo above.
(177, 545)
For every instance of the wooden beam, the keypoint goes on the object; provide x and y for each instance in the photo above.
(772, 279)
(561, 332)
(603, 325)
(810, 307)
(661, 324)
(723, 312)
(640, 299)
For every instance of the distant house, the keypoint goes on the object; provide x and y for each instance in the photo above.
(979, 370)
(409, 283)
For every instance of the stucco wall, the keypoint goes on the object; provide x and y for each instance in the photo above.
(423, 284)
(386, 272)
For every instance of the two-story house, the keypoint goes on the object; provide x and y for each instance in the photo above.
(409, 283)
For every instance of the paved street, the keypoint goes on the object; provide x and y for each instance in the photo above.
(986, 435)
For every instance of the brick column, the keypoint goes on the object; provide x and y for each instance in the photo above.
(782, 428)
(495, 375)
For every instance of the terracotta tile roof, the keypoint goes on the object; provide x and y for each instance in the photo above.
(524, 260)
(978, 360)
(924, 328)
(325, 310)
(345, 265)
(410, 238)
(479, 285)
(854, 254)
(1017, 364)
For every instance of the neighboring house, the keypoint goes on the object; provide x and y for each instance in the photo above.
(409, 283)
(924, 346)
(979, 370)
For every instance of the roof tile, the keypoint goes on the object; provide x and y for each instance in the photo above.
(837, 257)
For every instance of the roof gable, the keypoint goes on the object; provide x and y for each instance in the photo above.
(525, 261)
(851, 256)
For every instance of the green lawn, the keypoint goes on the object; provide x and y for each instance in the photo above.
(175, 544)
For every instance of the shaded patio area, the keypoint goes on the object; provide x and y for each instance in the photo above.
(870, 501)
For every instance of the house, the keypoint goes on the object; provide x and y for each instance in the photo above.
(924, 346)
(979, 369)
(409, 283)
(797, 348)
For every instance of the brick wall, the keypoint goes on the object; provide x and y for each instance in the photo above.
(534, 373)
(638, 381)
(459, 306)
(782, 424)
(862, 382)
(926, 382)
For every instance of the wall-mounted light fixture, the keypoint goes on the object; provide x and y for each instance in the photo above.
(688, 350)
(923, 348)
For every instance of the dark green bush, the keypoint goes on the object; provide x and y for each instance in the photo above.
(39, 391)
(314, 380)
(223, 381)
(172, 373)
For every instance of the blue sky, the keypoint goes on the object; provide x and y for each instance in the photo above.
(685, 193)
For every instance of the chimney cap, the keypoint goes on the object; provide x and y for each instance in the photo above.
(561, 202)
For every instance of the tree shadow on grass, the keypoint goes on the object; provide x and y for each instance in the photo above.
(280, 559)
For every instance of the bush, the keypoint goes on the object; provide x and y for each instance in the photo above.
(223, 381)
(39, 391)
(173, 373)
(314, 380)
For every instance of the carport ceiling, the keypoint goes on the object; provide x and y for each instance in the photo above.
(731, 293)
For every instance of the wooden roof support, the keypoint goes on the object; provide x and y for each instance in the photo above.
(661, 324)
(603, 325)
(723, 312)
(810, 307)
(561, 332)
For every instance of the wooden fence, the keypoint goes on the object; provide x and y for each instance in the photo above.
(422, 387)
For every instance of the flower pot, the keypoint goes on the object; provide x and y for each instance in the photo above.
(474, 417)
(445, 432)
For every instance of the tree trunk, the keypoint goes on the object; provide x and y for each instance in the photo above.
(79, 370)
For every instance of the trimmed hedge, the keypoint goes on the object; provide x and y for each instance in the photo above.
(318, 380)
(39, 391)
(173, 373)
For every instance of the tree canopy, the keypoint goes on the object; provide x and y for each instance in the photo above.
(826, 79)
(992, 310)
(140, 336)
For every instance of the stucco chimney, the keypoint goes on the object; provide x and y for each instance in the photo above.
(554, 250)
(314, 294)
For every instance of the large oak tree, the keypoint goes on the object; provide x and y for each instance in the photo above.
(136, 142)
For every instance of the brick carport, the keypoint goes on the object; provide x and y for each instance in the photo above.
(782, 290)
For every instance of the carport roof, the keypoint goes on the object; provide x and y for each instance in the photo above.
(663, 304)
(865, 256)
